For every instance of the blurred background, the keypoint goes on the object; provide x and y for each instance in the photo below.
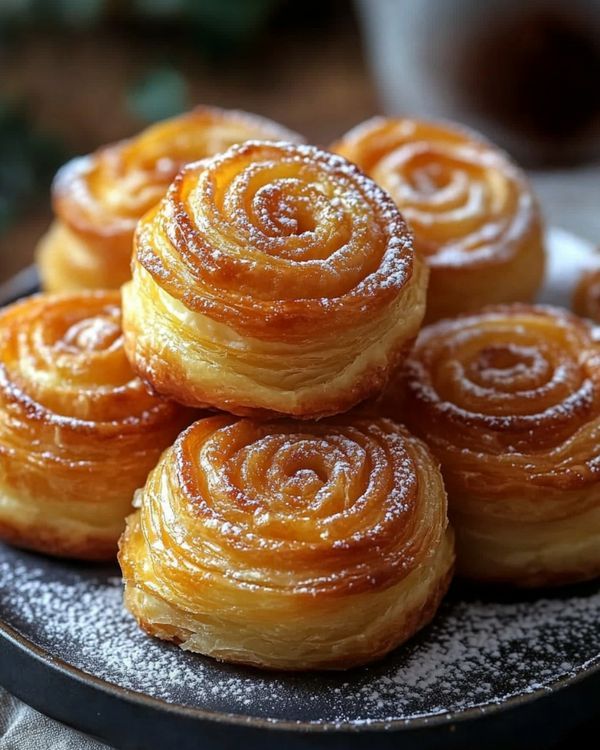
(76, 74)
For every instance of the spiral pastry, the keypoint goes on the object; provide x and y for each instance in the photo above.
(586, 297)
(289, 545)
(98, 199)
(274, 278)
(509, 402)
(471, 209)
(78, 431)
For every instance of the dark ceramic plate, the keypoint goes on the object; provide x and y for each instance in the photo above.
(495, 669)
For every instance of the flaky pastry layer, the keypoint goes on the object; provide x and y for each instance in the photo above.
(472, 211)
(509, 402)
(289, 545)
(78, 431)
(546, 553)
(98, 199)
(272, 279)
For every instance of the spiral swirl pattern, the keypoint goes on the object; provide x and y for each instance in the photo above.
(279, 261)
(98, 199)
(471, 210)
(260, 531)
(73, 416)
(509, 402)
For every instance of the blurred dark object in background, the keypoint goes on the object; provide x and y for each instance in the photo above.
(525, 72)
(537, 72)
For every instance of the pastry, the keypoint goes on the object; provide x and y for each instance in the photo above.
(289, 545)
(586, 297)
(273, 278)
(78, 431)
(471, 209)
(99, 198)
(508, 400)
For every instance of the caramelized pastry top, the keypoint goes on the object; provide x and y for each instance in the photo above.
(465, 201)
(100, 197)
(289, 509)
(510, 397)
(78, 431)
(274, 239)
(62, 365)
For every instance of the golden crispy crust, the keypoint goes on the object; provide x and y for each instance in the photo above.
(509, 401)
(553, 553)
(272, 279)
(78, 431)
(586, 297)
(168, 382)
(471, 209)
(407, 626)
(289, 545)
(98, 199)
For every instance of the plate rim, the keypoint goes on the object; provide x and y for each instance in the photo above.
(33, 651)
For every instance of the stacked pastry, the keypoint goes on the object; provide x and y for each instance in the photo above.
(505, 396)
(299, 525)
(277, 280)
(98, 199)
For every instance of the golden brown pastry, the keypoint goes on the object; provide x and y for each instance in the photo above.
(509, 402)
(586, 297)
(471, 209)
(289, 545)
(99, 198)
(78, 431)
(274, 278)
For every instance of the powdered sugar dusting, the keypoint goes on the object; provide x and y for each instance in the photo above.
(476, 653)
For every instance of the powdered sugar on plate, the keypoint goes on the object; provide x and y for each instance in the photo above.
(477, 652)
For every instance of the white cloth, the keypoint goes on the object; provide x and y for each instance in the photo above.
(22, 728)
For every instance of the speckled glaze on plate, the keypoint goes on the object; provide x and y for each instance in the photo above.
(492, 664)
